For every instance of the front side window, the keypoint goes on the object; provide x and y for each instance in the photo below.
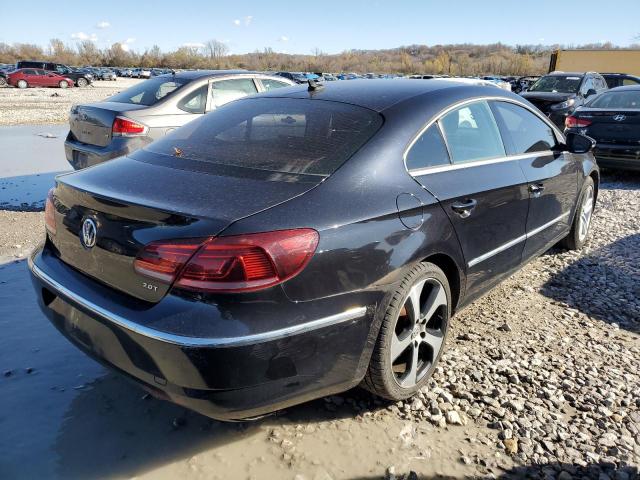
(527, 132)
(196, 101)
(270, 84)
(429, 150)
(225, 91)
(273, 134)
(149, 92)
(472, 133)
(588, 85)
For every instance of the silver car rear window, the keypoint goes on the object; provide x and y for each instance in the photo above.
(149, 92)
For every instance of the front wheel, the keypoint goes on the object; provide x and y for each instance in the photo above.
(82, 82)
(412, 334)
(22, 84)
(3, 81)
(63, 84)
(582, 219)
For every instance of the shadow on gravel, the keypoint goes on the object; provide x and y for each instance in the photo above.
(620, 179)
(604, 283)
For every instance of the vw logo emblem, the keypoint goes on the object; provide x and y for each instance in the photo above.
(89, 233)
(619, 118)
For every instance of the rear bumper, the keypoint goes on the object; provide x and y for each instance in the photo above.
(80, 155)
(624, 157)
(227, 377)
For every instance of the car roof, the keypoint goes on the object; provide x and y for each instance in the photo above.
(567, 74)
(381, 94)
(195, 74)
(625, 88)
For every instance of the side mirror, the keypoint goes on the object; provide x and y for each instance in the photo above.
(578, 143)
(590, 92)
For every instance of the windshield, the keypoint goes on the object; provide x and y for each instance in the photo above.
(557, 84)
(617, 100)
(149, 92)
(274, 134)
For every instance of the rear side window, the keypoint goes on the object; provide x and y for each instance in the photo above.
(472, 133)
(630, 81)
(196, 101)
(429, 150)
(225, 91)
(150, 91)
(527, 132)
(274, 134)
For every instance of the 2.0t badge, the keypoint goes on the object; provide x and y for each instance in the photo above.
(88, 233)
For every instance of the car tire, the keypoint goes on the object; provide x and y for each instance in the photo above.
(82, 82)
(63, 84)
(22, 84)
(3, 81)
(582, 218)
(412, 335)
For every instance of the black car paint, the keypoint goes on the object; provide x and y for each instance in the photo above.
(375, 222)
(617, 140)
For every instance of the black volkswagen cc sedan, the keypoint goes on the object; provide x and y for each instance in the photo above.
(306, 240)
(612, 119)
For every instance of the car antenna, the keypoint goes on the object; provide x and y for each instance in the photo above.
(314, 85)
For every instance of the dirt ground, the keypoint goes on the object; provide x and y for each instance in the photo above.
(540, 379)
(52, 105)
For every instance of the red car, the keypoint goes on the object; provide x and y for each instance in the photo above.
(35, 77)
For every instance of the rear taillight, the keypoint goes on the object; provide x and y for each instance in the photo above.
(230, 264)
(49, 213)
(575, 122)
(127, 128)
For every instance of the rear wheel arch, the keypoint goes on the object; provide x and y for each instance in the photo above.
(453, 273)
(595, 175)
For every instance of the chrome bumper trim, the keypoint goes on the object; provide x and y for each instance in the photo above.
(351, 314)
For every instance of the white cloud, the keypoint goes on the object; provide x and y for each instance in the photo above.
(236, 22)
(247, 20)
(283, 38)
(83, 36)
(193, 45)
(103, 24)
(126, 44)
(125, 47)
(130, 40)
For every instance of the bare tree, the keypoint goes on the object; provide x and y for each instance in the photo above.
(215, 49)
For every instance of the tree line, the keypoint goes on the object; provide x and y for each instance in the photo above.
(461, 59)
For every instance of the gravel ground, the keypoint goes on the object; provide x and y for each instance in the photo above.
(52, 105)
(540, 379)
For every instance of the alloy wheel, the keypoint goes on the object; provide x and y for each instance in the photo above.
(586, 211)
(419, 332)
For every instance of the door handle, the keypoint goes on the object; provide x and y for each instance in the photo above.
(465, 208)
(536, 189)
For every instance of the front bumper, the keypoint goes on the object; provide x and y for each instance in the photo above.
(81, 155)
(226, 377)
(623, 157)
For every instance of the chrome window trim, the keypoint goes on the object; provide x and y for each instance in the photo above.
(515, 241)
(436, 119)
(181, 340)
(477, 163)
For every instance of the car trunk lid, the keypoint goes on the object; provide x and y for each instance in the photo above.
(92, 123)
(612, 126)
(151, 203)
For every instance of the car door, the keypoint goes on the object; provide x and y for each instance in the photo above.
(551, 173)
(461, 160)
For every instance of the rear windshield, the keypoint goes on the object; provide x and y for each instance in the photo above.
(150, 91)
(275, 134)
(630, 99)
(557, 84)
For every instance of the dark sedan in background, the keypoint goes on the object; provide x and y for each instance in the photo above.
(300, 242)
(149, 110)
(613, 120)
(558, 94)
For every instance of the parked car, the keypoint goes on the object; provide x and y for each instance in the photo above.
(620, 79)
(143, 73)
(296, 77)
(558, 94)
(34, 77)
(499, 82)
(289, 246)
(106, 74)
(81, 79)
(612, 119)
(138, 115)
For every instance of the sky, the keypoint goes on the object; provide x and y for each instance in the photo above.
(332, 26)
